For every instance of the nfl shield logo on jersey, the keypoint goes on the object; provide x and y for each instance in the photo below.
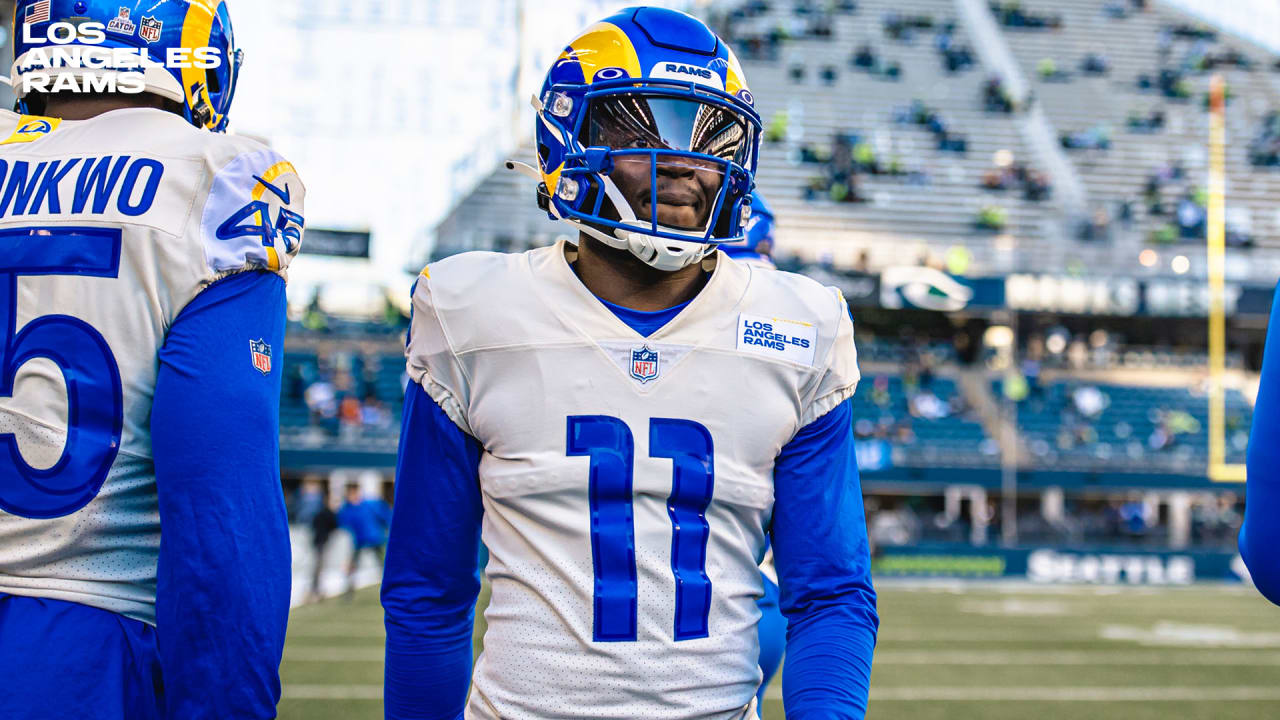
(644, 364)
(151, 28)
(260, 353)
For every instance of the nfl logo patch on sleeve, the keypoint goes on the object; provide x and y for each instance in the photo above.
(260, 354)
(791, 340)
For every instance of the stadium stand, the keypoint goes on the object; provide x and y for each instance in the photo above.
(1150, 104)
(1074, 424)
(925, 419)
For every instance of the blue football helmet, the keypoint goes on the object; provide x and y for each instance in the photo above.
(759, 239)
(653, 91)
(155, 27)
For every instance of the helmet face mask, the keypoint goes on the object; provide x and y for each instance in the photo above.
(187, 26)
(654, 163)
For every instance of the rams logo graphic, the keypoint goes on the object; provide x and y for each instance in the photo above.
(36, 127)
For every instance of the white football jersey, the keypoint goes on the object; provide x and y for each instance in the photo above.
(763, 262)
(627, 481)
(108, 228)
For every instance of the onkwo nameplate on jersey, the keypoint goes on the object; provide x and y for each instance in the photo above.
(772, 337)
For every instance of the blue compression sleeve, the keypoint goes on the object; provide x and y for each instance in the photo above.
(1260, 534)
(824, 570)
(431, 581)
(222, 595)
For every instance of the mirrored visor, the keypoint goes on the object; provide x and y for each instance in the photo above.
(676, 191)
(638, 121)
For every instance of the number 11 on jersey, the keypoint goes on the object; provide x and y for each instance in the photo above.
(611, 447)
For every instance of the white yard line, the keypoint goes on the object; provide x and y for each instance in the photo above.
(338, 654)
(333, 654)
(1091, 657)
(339, 630)
(1066, 694)
(332, 692)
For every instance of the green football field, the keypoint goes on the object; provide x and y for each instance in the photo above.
(945, 651)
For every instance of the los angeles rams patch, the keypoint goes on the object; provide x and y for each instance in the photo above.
(791, 340)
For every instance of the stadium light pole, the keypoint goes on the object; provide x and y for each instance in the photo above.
(1219, 470)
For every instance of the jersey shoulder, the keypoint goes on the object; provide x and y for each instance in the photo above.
(799, 300)
(253, 217)
(482, 299)
(147, 131)
(247, 200)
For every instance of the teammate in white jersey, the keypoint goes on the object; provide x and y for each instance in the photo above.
(144, 550)
(625, 422)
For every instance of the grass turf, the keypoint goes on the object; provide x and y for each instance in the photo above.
(945, 651)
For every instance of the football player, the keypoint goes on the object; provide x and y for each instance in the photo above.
(1259, 539)
(757, 247)
(625, 422)
(144, 547)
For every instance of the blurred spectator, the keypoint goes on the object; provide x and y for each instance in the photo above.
(1171, 83)
(373, 413)
(902, 27)
(367, 519)
(1009, 175)
(1049, 71)
(323, 523)
(314, 318)
(322, 401)
(1193, 214)
(995, 98)
(796, 72)
(1187, 31)
(920, 114)
(1094, 64)
(1011, 14)
(1097, 137)
(1264, 148)
(992, 217)
(1145, 123)
(776, 131)
(955, 57)
(1096, 227)
(865, 58)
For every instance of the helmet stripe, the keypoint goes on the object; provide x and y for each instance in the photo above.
(197, 31)
(733, 75)
(604, 45)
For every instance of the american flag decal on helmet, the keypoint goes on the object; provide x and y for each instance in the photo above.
(37, 13)
(260, 354)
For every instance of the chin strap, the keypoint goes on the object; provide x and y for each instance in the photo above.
(525, 169)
